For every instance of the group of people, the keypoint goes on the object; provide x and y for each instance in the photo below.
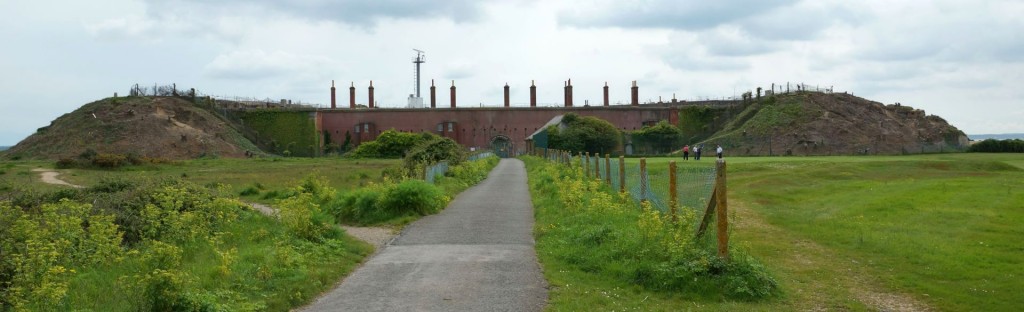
(697, 150)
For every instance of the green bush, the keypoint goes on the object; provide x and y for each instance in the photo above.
(378, 203)
(412, 196)
(391, 144)
(432, 151)
(109, 160)
(998, 146)
(585, 134)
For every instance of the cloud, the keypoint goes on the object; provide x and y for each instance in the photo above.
(343, 11)
(259, 64)
(670, 14)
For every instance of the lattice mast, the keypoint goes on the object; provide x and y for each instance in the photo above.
(419, 59)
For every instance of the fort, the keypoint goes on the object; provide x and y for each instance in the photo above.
(485, 127)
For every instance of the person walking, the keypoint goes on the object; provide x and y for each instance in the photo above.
(686, 152)
(718, 151)
(696, 152)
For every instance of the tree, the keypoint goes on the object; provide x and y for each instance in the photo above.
(663, 137)
(584, 134)
(391, 144)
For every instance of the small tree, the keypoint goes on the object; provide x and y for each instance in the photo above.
(663, 136)
(584, 134)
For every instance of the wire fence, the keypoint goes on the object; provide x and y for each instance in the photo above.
(431, 172)
(662, 184)
(666, 186)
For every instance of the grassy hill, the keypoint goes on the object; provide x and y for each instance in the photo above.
(158, 127)
(813, 123)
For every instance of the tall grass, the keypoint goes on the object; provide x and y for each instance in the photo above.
(585, 228)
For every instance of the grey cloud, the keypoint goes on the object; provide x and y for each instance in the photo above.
(669, 14)
(346, 11)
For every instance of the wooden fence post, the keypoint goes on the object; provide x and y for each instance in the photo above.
(643, 179)
(597, 166)
(672, 195)
(723, 210)
(622, 174)
(608, 169)
(586, 167)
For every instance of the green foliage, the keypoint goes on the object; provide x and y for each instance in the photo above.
(583, 226)
(998, 146)
(391, 144)
(193, 249)
(584, 134)
(283, 132)
(432, 151)
(774, 114)
(697, 122)
(382, 202)
(663, 137)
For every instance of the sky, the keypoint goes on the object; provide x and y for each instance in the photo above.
(961, 60)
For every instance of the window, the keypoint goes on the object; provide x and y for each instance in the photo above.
(451, 127)
(440, 127)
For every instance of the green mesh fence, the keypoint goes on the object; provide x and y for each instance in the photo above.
(695, 181)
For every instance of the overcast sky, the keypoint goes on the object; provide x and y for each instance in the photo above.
(962, 60)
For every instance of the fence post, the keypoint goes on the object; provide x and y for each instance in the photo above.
(723, 210)
(586, 168)
(643, 179)
(622, 174)
(672, 195)
(608, 169)
(597, 166)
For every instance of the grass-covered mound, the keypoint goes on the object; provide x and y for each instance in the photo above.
(586, 232)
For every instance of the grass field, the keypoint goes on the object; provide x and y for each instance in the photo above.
(918, 232)
(262, 174)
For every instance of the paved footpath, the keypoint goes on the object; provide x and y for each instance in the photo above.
(476, 255)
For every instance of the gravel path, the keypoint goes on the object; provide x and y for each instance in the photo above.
(50, 177)
(477, 255)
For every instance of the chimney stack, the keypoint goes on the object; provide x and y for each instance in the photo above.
(635, 99)
(334, 101)
(568, 93)
(433, 94)
(352, 96)
(371, 94)
(453, 93)
(533, 94)
(506, 95)
(605, 93)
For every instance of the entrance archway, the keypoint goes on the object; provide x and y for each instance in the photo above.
(502, 146)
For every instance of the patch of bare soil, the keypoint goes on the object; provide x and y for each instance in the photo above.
(819, 279)
(50, 177)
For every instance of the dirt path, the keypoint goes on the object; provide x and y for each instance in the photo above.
(476, 255)
(50, 177)
(817, 278)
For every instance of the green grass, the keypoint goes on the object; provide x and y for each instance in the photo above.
(272, 268)
(263, 174)
(858, 233)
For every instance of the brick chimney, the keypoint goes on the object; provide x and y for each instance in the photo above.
(433, 94)
(635, 98)
(371, 94)
(506, 95)
(605, 93)
(453, 93)
(352, 96)
(334, 100)
(568, 93)
(533, 94)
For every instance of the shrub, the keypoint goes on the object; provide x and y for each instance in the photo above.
(998, 146)
(390, 144)
(249, 191)
(412, 196)
(433, 151)
(109, 160)
(590, 134)
(382, 202)
(66, 163)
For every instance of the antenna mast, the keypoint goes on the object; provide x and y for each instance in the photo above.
(420, 59)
